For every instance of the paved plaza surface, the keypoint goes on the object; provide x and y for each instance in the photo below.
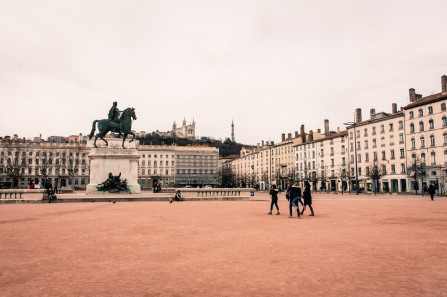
(387, 245)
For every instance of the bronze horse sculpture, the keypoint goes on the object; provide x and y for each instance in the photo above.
(105, 126)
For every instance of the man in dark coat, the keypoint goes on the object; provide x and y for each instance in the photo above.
(431, 191)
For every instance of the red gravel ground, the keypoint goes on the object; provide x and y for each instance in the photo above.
(352, 247)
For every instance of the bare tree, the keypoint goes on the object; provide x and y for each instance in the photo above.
(46, 163)
(265, 177)
(314, 178)
(72, 164)
(343, 178)
(323, 178)
(13, 163)
(416, 170)
(375, 172)
(291, 176)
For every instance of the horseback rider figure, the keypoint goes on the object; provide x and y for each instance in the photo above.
(117, 122)
(114, 114)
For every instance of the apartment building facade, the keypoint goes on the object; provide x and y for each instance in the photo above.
(426, 137)
(64, 164)
(67, 164)
(377, 149)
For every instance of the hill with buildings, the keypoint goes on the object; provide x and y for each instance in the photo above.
(226, 147)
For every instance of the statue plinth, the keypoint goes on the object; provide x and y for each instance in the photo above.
(113, 159)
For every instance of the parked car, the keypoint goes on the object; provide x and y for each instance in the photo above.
(208, 187)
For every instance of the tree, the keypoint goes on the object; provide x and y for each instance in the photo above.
(291, 176)
(265, 177)
(323, 179)
(227, 141)
(375, 172)
(314, 179)
(14, 163)
(416, 170)
(45, 164)
(72, 163)
(343, 178)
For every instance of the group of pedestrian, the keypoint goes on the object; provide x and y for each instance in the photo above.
(295, 197)
(157, 188)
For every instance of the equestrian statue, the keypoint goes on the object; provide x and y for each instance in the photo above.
(118, 121)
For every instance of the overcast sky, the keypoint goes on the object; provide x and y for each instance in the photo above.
(268, 65)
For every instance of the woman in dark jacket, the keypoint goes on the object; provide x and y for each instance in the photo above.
(274, 193)
(307, 198)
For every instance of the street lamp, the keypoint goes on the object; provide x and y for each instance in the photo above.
(252, 175)
(355, 156)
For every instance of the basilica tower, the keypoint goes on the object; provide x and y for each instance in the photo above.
(232, 131)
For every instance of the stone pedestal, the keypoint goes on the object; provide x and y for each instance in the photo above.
(113, 158)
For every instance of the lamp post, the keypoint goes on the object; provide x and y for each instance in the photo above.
(252, 175)
(355, 156)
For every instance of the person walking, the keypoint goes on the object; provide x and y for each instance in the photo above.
(274, 193)
(295, 197)
(307, 198)
(431, 191)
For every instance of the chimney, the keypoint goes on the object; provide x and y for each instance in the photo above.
(358, 115)
(372, 112)
(272, 143)
(444, 83)
(319, 131)
(401, 108)
(412, 95)
(296, 134)
(338, 129)
(257, 145)
(303, 136)
(263, 143)
(311, 135)
(289, 136)
(283, 137)
(418, 97)
(326, 127)
(394, 108)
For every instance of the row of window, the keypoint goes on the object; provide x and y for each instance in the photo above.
(431, 124)
(422, 141)
(430, 111)
(37, 154)
(49, 171)
(29, 179)
(166, 156)
(375, 156)
(179, 171)
(383, 170)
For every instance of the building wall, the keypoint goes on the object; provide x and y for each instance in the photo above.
(67, 164)
(64, 164)
(380, 141)
(426, 137)
(196, 165)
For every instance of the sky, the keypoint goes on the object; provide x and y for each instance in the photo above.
(269, 66)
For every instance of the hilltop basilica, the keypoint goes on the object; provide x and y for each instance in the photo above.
(185, 131)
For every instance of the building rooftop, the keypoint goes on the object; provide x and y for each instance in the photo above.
(426, 100)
